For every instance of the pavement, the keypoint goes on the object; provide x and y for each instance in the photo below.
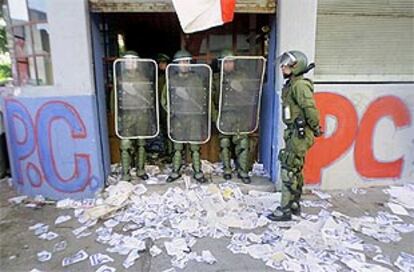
(19, 246)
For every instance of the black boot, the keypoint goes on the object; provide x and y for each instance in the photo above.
(245, 178)
(173, 176)
(296, 210)
(200, 177)
(280, 215)
(227, 176)
(144, 176)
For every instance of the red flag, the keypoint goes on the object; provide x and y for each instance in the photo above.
(197, 15)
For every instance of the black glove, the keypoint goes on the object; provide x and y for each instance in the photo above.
(318, 132)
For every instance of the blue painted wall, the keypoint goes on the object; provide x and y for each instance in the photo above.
(54, 145)
(98, 54)
(269, 115)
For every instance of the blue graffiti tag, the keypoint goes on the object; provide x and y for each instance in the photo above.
(20, 149)
(54, 111)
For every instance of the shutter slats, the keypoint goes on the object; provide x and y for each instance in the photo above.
(362, 40)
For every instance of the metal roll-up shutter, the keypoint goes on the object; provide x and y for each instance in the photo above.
(365, 40)
(242, 6)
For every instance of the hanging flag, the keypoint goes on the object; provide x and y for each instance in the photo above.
(197, 15)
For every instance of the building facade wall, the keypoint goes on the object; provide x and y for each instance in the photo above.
(369, 136)
(53, 133)
(55, 139)
(369, 127)
(54, 146)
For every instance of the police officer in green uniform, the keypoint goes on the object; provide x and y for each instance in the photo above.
(236, 114)
(163, 60)
(135, 113)
(301, 117)
(187, 86)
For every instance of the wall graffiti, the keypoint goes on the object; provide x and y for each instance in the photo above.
(54, 149)
(355, 131)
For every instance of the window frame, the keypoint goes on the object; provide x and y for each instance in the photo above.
(32, 80)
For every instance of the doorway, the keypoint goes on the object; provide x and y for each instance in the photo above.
(151, 33)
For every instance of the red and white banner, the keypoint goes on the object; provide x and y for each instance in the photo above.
(198, 15)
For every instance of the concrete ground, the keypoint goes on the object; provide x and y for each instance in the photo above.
(19, 246)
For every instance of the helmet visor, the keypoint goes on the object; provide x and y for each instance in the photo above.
(286, 59)
(130, 62)
(187, 59)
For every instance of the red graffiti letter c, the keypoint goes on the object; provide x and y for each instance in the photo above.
(365, 162)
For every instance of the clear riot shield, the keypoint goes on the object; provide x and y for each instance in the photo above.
(136, 98)
(241, 80)
(189, 102)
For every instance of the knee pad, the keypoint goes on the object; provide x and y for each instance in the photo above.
(284, 175)
(178, 146)
(195, 147)
(290, 160)
(141, 142)
(289, 179)
(244, 143)
(224, 142)
(126, 145)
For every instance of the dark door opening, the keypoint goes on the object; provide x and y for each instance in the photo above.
(146, 33)
(151, 33)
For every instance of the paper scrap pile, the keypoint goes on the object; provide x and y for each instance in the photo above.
(130, 219)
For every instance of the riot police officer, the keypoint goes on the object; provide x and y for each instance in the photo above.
(237, 101)
(301, 117)
(163, 60)
(136, 110)
(186, 99)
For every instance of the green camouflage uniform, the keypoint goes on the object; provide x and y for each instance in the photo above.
(297, 102)
(190, 125)
(301, 117)
(232, 117)
(163, 116)
(130, 122)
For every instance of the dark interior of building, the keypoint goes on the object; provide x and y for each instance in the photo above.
(151, 33)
